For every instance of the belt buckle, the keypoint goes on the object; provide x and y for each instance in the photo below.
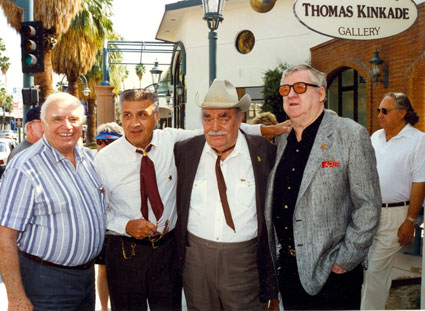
(292, 252)
(153, 242)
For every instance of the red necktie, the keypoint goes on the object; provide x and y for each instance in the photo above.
(149, 187)
(222, 189)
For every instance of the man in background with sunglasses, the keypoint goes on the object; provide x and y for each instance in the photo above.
(400, 156)
(323, 199)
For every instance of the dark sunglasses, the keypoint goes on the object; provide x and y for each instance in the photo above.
(299, 88)
(100, 142)
(384, 110)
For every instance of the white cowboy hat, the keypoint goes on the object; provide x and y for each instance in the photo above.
(222, 95)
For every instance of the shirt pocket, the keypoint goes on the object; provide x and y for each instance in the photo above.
(199, 193)
(245, 191)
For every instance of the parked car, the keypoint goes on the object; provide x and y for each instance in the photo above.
(6, 147)
(8, 134)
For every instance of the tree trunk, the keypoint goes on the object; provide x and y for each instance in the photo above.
(44, 79)
(91, 121)
(72, 84)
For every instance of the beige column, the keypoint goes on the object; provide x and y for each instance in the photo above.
(105, 104)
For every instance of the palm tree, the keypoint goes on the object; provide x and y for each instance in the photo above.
(140, 70)
(4, 61)
(75, 52)
(56, 16)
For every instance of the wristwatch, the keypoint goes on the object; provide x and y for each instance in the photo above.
(413, 220)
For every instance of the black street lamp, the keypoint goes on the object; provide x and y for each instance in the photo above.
(376, 62)
(213, 15)
(156, 76)
(180, 92)
(168, 97)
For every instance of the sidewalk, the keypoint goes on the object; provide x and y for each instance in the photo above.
(405, 267)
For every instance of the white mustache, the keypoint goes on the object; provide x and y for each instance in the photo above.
(214, 133)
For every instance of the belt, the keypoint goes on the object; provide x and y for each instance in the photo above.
(153, 242)
(51, 264)
(395, 204)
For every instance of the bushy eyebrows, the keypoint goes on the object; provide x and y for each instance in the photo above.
(224, 114)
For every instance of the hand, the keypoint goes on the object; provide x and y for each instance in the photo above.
(20, 304)
(273, 305)
(274, 130)
(140, 228)
(338, 269)
(405, 232)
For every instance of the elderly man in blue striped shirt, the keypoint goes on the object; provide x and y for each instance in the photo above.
(52, 219)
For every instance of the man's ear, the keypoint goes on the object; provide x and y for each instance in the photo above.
(322, 93)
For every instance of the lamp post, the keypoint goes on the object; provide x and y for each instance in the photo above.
(156, 76)
(213, 15)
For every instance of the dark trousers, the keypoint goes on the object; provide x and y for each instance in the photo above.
(51, 288)
(148, 276)
(340, 292)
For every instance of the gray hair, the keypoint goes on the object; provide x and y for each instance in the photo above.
(139, 95)
(111, 127)
(61, 96)
(316, 76)
(403, 102)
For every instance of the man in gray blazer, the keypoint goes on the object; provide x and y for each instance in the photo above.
(323, 199)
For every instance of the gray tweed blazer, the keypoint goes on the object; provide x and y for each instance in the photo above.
(339, 202)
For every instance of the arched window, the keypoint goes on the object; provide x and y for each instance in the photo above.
(347, 95)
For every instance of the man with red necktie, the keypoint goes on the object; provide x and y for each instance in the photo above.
(140, 179)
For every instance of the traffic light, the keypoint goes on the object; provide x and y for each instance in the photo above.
(32, 47)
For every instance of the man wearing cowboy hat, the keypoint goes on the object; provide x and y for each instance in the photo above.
(222, 243)
(140, 254)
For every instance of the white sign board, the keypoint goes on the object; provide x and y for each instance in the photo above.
(357, 19)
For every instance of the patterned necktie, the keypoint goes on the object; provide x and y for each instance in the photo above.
(222, 189)
(149, 187)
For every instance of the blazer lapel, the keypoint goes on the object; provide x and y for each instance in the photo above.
(317, 154)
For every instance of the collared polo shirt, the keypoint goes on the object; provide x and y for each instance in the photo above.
(57, 208)
(400, 161)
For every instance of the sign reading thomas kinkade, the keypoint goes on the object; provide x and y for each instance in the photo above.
(356, 19)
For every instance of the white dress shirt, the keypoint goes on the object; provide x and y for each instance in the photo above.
(206, 216)
(400, 161)
(118, 166)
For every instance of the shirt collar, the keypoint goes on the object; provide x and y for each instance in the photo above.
(79, 155)
(403, 133)
(241, 148)
(132, 149)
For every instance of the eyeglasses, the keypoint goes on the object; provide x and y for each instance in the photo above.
(156, 236)
(299, 88)
(100, 142)
(384, 110)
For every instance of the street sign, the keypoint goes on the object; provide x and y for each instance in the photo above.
(18, 123)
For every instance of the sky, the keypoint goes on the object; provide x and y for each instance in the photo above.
(134, 20)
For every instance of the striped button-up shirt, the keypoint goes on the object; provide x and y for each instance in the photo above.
(58, 208)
